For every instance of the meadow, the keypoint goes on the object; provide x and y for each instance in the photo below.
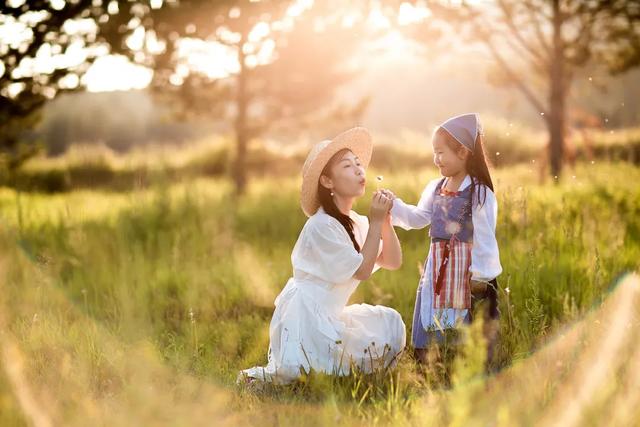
(96, 166)
(139, 307)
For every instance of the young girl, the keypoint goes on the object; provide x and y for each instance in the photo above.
(463, 259)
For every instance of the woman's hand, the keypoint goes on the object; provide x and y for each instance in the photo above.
(380, 206)
(391, 196)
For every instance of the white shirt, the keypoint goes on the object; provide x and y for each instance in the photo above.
(485, 256)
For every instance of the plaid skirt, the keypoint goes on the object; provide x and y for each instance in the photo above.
(450, 274)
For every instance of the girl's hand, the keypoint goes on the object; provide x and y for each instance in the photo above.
(478, 287)
(388, 193)
(391, 196)
(380, 206)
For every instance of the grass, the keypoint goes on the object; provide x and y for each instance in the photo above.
(139, 308)
(98, 167)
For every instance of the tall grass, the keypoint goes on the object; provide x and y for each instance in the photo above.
(140, 308)
(96, 166)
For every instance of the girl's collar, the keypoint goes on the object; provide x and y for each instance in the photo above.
(464, 184)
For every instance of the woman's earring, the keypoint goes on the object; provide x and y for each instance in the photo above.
(332, 193)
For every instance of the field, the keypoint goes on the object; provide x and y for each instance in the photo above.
(139, 307)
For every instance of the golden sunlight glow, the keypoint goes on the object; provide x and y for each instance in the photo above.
(410, 14)
(115, 72)
(298, 7)
(218, 61)
(377, 19)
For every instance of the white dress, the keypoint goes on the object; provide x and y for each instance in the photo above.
(312, 326)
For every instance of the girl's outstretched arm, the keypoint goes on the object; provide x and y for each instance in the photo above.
(412, 217)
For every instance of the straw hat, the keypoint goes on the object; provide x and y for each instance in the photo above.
(358, 140)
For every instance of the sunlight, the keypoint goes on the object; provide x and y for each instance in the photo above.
(299, 7)
(395, 46)
(215, 60)
(115, 72)
(411, 14)
(377, 19)
(259, 32)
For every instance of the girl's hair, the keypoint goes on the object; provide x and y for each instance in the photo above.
(329, 206)
(476, 164)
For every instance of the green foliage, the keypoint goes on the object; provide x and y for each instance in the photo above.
(182, 278)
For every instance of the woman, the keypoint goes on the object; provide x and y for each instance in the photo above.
(312, 327)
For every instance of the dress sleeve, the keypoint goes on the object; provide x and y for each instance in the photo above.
(376, 266)
(326, 252)
(411, 217)
(485, 256)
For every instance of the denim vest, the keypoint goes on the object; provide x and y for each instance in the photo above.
(451, 215)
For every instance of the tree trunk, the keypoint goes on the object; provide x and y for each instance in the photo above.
(557, 96)
(241, 134)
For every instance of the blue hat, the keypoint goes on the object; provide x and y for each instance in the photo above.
(464, 128)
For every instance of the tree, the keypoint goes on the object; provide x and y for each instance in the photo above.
(549, 41)
(46, 48)
(286, 66)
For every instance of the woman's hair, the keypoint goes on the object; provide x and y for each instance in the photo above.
(329, 206)
(476, 164)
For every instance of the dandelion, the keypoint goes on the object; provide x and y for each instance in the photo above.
(379, 179)
(507, 290)
(497, 153)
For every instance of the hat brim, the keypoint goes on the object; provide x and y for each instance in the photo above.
(357, 140)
